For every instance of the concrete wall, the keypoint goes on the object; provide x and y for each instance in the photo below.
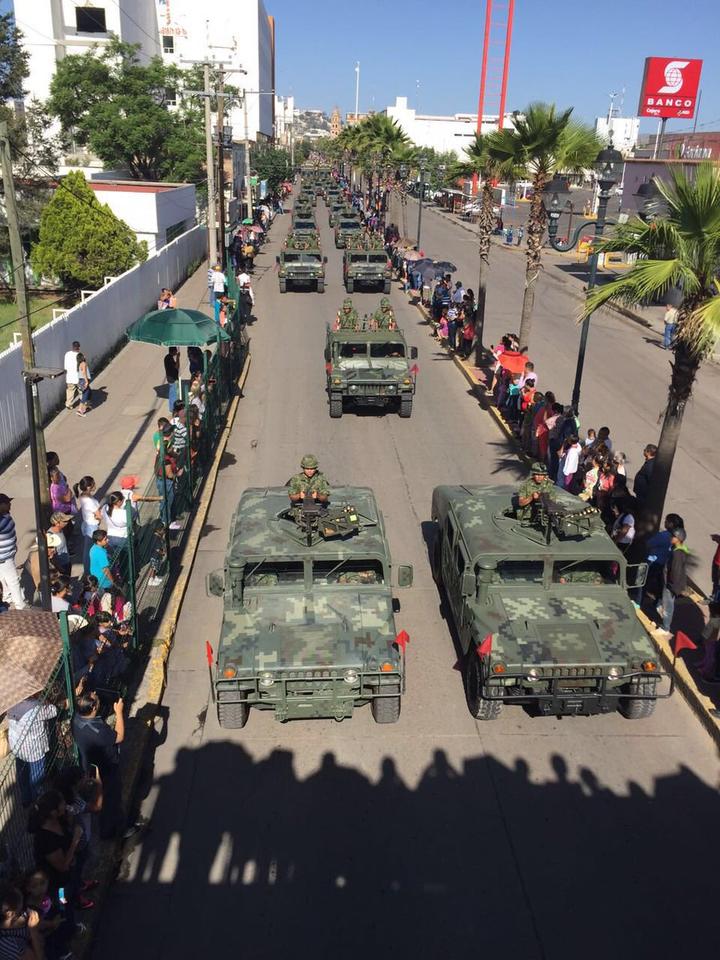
(99, 325)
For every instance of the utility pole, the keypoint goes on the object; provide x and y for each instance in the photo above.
(221, 163)
(248, 188)
(41, 488)
(292, 144)
(210, 163)
(357, 89)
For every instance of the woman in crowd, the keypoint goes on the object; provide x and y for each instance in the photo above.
(89, 514)
(83, 385)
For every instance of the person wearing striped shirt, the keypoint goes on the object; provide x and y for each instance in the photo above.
(8, 548)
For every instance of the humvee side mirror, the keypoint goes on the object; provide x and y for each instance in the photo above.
(468, 585)
(277, 259)
(405, 575)
(215, 583)
(641, 572)
(413, 353)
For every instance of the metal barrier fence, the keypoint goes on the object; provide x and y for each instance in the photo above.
(157, 521)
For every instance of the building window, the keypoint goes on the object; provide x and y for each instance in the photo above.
(90, 20)
(168, 44)
(170, 96)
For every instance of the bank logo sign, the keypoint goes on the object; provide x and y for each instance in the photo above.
(669, 88)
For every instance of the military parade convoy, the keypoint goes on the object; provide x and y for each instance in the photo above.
(536, 589)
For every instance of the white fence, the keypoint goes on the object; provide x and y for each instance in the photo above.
(99, 324)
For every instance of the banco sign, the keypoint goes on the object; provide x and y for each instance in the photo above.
(669, 87)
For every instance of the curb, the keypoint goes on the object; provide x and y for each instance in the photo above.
(152, 686)
(684, 681)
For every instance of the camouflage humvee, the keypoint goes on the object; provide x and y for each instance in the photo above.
(369, 368)
(336, 208)
(303, 224)
(366, 267)
(308, 627)
(346, 226)
(540, 606)
(301, 263)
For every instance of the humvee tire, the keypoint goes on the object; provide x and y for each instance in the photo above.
(350, 285)
(386, 286)
(386, 709)
(406, 406)
(283, 286)
(233, 716)
(336, 409)
(321, 286)
(638, 708)
(472, 678)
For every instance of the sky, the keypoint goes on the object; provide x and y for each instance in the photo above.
(572, 54)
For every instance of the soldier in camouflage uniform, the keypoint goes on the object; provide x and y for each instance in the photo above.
(347, 317)
(384, 318)
(290, 242)
(310, 482)
(357, 577)
(530, 490)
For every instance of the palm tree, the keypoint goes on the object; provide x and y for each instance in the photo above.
(681, 248)
(481, 162)
(404, 155)
(541, 143)
(378, 137)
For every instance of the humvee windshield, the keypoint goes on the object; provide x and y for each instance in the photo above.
(387, 350)
(349, 225)
(352, 349)
(586, 571)
(292, 257)
(304, 225)
(271, 573)
(520, 571)
(314, 257)
(377, 258)
(347, 572)
(357, 257)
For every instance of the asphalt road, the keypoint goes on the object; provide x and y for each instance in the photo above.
(626, 374)
(436, 837)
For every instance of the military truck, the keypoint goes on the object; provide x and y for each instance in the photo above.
(369, 368)
(301, 266)
(336, 208)
(366, 268)
(303, 225)
(308, 627)
(346, 226)
(540, 606)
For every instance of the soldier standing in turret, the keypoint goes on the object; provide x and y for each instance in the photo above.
(310, 482)
(384, 317)
(347, 317)
(530, 490)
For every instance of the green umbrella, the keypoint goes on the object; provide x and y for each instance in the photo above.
(176, 328)
(247, 222)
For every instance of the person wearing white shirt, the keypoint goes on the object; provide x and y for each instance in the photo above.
(570, 460)
(458, 293)
(90, 515)
(72, 375)
(218, 282)
(243, 281)
(29, 742)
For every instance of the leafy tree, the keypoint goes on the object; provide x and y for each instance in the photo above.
(680, 248)
(273, 165)
(541, 143)
(81, 240)
(13, 60)
(121, 110)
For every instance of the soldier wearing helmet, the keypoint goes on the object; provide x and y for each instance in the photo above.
(310, 482)
(384, 318)
(530, 489)
(347, 317)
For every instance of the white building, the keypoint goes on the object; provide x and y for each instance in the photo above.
(54, 29)
(284, 116)
(624, 132)
(442, 133)
(155, 212)
(240, 35)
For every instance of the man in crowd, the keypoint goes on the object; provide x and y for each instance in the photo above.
(172, 374)
(675, 575)
(218, 282)
(8, 549)
(29, 742)
(641, 483)
(310, 482)
(72, 376)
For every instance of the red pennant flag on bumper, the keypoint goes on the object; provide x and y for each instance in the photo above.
(328, 368)
(485, 648)
(683, 642)
(402, 640)
(415, 369)
(209, 653)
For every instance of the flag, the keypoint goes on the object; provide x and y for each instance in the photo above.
(485, 648)
(402, 640)
(415, 369)
(683, 642)
(209, 653)
(328, 367)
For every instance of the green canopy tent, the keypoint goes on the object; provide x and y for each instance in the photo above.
(176, 328)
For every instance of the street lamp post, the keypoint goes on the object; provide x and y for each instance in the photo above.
(420, 202)
(607, 166)
(31, 378)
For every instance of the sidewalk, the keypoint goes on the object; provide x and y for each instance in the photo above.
(115, 438)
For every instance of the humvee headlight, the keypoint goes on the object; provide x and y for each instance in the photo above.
(614, 673)
(229, 672)
(391, 388)
(266, 679)
(498, 668)
(649, 666)
(407, 381)
(337, 381)
(387, 667)
(350, 676)
(353, 388)
(533, 674)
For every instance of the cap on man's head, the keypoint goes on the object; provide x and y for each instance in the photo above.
(309, 462)
(168, 430)
(59, 517)
(538, 469)
(5, 499)
(679, 534)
